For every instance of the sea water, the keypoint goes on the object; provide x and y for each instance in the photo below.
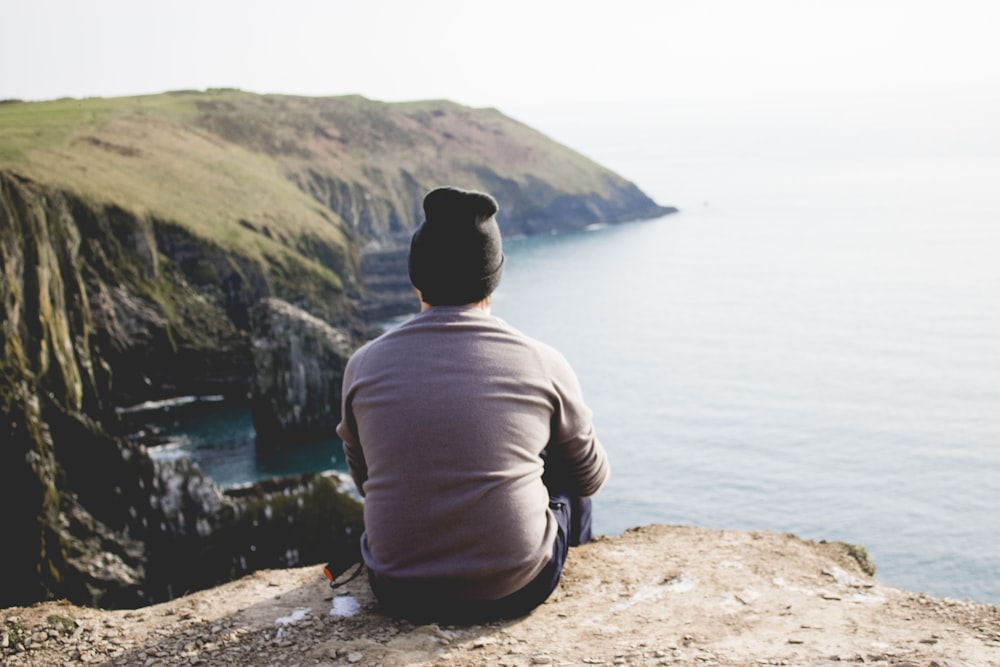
(816, 373)
(810, 346)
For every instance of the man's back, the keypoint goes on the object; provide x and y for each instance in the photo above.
(445, 421)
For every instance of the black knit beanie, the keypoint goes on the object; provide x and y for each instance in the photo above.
(456, 256)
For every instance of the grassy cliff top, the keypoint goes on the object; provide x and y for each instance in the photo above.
(299, 185)
(158, 157)
(211, 159)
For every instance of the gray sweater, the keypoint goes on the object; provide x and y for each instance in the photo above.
(444, 420)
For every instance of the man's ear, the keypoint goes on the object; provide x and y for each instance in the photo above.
(420, 296)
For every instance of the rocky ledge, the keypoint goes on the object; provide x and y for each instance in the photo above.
(657, 595)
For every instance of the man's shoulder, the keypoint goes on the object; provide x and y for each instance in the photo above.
(542, 349)
(387, 341)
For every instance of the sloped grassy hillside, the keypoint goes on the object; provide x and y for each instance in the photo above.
(254, 172)
(292, 190)
(158, 159)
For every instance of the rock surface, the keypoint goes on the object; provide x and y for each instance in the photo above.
(299, 361)
(658, 595)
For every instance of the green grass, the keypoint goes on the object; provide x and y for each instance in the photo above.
(16, 632)
(26, 126)
(63, 624)
(151, 155)
(863, 558)
(224, 164)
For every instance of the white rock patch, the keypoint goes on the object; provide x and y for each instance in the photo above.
(294, 617)
(345, 605)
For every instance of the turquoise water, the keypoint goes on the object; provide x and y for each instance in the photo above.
(220, 438)
(815, 351)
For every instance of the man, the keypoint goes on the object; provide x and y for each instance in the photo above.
(449, 422)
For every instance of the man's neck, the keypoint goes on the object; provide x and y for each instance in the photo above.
(483, 305)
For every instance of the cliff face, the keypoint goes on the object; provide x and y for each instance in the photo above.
(48, 365)
(96, 311)
(299, 362)
(138, 237)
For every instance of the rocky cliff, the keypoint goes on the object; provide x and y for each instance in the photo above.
(101, 308)
(94, 314)
(299, 361)
(138, 238)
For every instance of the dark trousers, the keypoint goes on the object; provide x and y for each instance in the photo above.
(422, 602)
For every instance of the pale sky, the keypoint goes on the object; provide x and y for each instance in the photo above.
(707, 76)
(500, 54)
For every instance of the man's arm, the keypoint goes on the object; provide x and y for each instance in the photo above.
(347, 429)
(576, 453)
(581, 462)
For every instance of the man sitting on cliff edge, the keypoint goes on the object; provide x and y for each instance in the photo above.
(469, 441)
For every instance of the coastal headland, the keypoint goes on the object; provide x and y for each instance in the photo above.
(225, 244)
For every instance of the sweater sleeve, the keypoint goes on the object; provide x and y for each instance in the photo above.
(347, 429)
(574, 452)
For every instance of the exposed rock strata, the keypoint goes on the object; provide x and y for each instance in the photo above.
(388, 291)
(96, 312)
(299, 361)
